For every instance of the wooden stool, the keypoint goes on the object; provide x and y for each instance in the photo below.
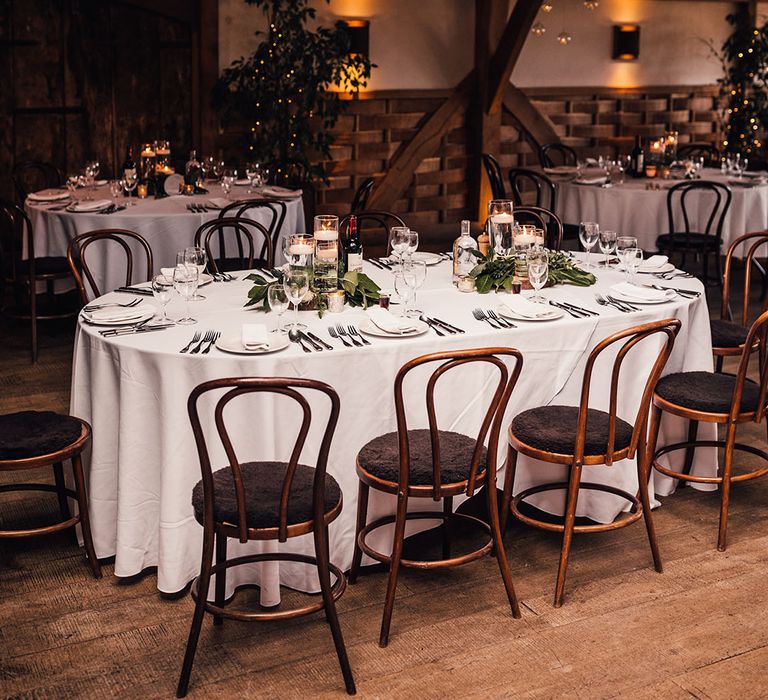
(33, 439)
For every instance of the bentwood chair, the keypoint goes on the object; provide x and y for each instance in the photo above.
(275, 211)
(493, 171)
(37, 439)
(721, 399)
(240, 233)
(21, 270)
(710, 199)
(32, 176)
(436, 465)
(579, 436)
(264, 500)
(705, 150)
(77, 256)
(375, 228)
(544, 219)
(360, 200)
(522, 181)
(728, 336)
(554, 154)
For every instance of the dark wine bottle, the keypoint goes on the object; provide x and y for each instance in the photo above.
(353, 248)
(129, 172)
(637, 163)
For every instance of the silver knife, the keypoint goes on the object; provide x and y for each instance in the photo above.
(312, 336)
(315, 345)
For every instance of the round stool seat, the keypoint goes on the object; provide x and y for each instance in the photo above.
(727, 334)
(35, 433)
(553, 429)
(262, 483)
(709, 392)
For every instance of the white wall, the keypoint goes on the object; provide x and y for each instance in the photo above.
(428, 44)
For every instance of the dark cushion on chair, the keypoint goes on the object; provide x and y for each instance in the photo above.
(381, 457)
(34, 433)
(46, 266)
(553, 429)
(263, 483)
(694, 241)
(706, 391)
(727, 334)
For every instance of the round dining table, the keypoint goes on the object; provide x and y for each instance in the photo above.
(633, 209)
(143, 463)
(168, 224)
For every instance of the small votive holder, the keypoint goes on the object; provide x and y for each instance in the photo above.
(466, 284)
(517, 287)
(650, 171)
(188, 189)
(336, 301)
(141, 191)
(384, 301)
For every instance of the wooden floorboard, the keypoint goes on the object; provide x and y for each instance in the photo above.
(699, 630)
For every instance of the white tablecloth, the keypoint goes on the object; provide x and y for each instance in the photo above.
(143, 464)
(632, 210)
(166, 224)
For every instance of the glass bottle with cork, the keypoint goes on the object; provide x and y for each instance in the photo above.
(352, 249)
(464, 259)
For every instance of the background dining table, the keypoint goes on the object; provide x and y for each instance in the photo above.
(143, 461)
(631, 209)
(167, 224)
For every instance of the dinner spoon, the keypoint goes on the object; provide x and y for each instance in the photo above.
(295, 337)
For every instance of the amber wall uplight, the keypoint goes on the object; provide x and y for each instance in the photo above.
(626, 42)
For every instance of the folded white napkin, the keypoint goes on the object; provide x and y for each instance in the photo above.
(275, 191)
(242, 182)
(217, 203)
(653, 263)
(632, 291)
(47, 196)
(561, 170)
(96, 205)
(388, 322)
(255, 336)
(591, 180)
(518, 305)
(116, 313)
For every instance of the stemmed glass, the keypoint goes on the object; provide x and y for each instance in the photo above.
(607, 244)
(255, 174)
(296, 285)
(73, 181)
(588, 234)
(130, 180)
(185, 279)
(278, 302)
(115, 188)
(417, 268)
(162, 287)
(228, 177)
(631, 259)
(197, 257)
(400, 241)
(413, 243)
(405, 288)
(88, 180)
(502, 225)
(537, 260)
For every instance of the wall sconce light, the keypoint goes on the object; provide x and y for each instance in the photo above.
(626, 42)
(358, 31)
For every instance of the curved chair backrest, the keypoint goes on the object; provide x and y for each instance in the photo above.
(360, 200)
(491, 424)
(757, 334)
(78, 259)
(32, 176)
(493, 171)
(275, 210)
(554, 154)
(544, 219)
(752, 243)
(240, 386)
(373, 221)
(15, 230)
(239, 231)
(522, 180)
(708, 151)
(718, 202)
(629, 339)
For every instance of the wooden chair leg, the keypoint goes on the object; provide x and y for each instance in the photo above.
(693, 431)
(447, 510)
(644, 457)
(725, 488)
(323, 557)
(509, 486)
(33, 318)
(362, 517)
(85, 518)
(719, 364)
(203, 585)
(61, 485)
(394, 568)
(501, 555)
(570, 520)
(221, 576)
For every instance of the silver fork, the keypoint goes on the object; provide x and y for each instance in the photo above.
(216, 336)
(334, 334)
(128, 305)
(480, 316)
(355, 334)
(499, 320)
(206, 339)
(604, 301)
(340, 330)
(195, 338)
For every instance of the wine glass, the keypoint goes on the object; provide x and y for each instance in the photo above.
(228, 177)
(537, 260)
(185, 279)
(631, 258)
(255, 174)
(607, 242)
(162, 287)
(196, 256)
(278, 302)
(413, 243)
(87, 181)
(130, 180)
(115, 188)
(399, 240)
(588, 234)
(296, 285)
(417, 268)
(73, 182)
(502, 225)
(405, 288)
(94, 167)
(625, 242)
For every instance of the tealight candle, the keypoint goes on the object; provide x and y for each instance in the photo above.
(301, 249)
(501, 219)
(466, 284)
(336, 301)
(326, 235)
(141, 191)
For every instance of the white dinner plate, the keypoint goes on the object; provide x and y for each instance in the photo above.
(666, 267)
(90, 207)
(551, 315)
(172, 184)
(48, 196)
(145, 313)
(428, 258)
(370, 328)
(633, 300)
(234, 343)
(243, 183)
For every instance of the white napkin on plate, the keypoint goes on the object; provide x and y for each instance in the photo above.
(255, 336)
(653, 263)
(218, 203)
(48, 196)
(518, 305)
(591, 180)
(632, 291)
(116, 313)
(275, 191)
(561, 170)
(389, 323)
(96, 205)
